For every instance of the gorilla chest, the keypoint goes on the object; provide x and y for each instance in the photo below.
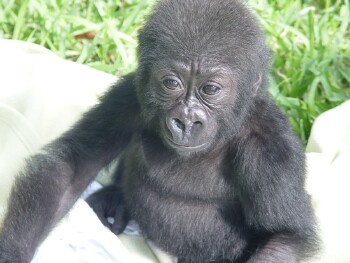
(148, 164)
(178, 216)
(180, 204)
(198, 178)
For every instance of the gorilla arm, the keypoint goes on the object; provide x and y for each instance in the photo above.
(270, 182)
(54, 178)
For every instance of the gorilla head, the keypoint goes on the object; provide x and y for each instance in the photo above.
(207, 61)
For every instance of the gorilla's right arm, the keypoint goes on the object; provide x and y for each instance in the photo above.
(54, 178)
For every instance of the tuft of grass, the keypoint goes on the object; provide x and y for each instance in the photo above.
(309, 40)
(60, 26)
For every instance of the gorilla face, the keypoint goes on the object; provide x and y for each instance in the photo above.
(192, 95)
(197, 74)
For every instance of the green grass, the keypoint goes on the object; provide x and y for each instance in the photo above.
(309, 39)
(55, 23)
(311, 45)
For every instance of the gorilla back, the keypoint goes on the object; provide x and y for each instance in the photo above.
(209, 166)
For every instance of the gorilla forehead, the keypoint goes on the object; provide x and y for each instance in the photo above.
(220, 29)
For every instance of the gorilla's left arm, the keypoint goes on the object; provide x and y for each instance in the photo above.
(270, 183)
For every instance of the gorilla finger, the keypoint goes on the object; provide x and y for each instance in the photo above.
(121, 219)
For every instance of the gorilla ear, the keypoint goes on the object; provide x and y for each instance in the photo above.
(257, 84)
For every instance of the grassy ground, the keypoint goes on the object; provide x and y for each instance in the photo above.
(310, 41)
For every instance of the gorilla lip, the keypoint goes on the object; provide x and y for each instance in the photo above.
(184, 147)
(180, 147)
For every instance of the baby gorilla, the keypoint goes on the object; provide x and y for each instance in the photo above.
(209, 166)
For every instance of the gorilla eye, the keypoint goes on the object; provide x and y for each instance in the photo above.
(211, 89)
(171, 84)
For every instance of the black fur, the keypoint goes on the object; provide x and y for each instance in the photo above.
(209, 166)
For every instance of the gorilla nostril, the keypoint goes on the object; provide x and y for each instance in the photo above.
(179, 124)
(197, 127)
(198, 123)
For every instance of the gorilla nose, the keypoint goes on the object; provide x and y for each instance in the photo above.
(185, 126)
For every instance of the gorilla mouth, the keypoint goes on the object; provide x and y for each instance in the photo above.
(184, 148)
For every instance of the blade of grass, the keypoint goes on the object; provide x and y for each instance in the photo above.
(20, 20)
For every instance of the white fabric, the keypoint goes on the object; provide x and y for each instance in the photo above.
(328, 155)
(80, 238)
(41, 95)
